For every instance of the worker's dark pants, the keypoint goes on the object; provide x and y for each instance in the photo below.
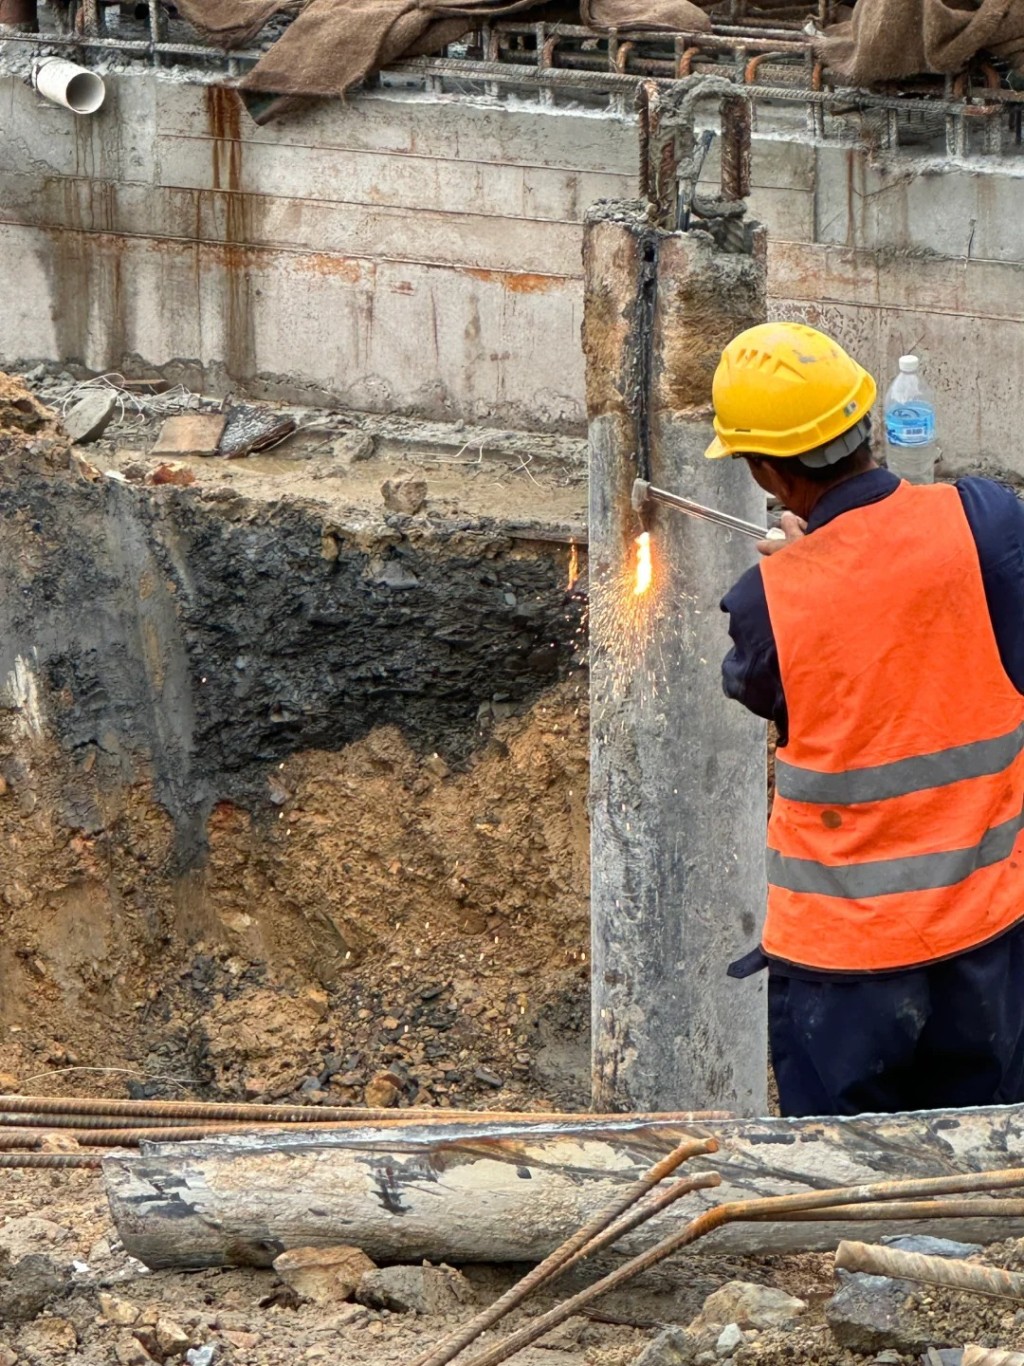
(935, 1037)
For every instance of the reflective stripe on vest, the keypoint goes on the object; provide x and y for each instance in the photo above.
(897, 834)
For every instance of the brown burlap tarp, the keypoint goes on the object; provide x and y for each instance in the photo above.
(895, 39)
(332, 45)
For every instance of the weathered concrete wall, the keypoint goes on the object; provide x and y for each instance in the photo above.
(422, 253)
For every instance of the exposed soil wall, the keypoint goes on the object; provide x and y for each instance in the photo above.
(286, 800)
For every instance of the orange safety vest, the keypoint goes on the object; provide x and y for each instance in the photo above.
(897, 833)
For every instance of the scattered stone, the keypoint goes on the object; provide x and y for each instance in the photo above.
(8, 1356)
(190, 434)
(935, 1356)
(171, 1338)
(59, 1143)
(381, 1092)
(488, 1077)
(673, 1347)
(56, 1336)
(117, 1310)
(750, 1305)
(28, 1286)
(887, 1358)
(870, 1314)
(324, 1274)
(414, 1289)
(244, 1342)
(201, 1356)
(931, 1247)
(404, 495)
(9, 1083)
(130, 1352)
(353, 447)
(729, 1339)
(172, 472)
(90, 417)
(31, 1233)
(439, 768)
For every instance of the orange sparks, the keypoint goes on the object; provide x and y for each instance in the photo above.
(574, 564)
(643, 563)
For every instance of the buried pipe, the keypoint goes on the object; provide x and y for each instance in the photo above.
(61, 82)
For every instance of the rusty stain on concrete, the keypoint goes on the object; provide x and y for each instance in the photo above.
(224, 119)
(517, 282)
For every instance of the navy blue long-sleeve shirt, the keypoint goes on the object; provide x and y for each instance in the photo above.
(750, 671)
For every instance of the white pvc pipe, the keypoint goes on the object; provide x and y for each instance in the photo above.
(81, 91)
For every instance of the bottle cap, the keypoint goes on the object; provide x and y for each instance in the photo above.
(909, 364)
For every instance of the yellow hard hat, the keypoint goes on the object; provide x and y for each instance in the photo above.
(786, 389)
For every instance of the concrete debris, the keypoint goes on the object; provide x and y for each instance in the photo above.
(750, 1305)
(673, 1347)
(29, 1285)
(191, 434)
(90, 417)
(250, 429)
(353, 447)
(404, 495)
(488, 1077)
(172, 472)
(729, 1339)
(872, 1313)
(201, 1356)
(171, 1338)
(324, 1274)
(415, 1289)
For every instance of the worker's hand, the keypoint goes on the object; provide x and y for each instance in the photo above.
(793, 528)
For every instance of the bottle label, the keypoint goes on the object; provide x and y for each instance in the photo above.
(910, 424)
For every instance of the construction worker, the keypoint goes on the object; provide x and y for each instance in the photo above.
(884, 636)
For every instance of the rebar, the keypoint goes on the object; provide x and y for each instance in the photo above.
(552, 1265)
(735, 174)
(952, 1273)
(169, 1110)
(894, 1210)
(735, 1212)
(51, 1161)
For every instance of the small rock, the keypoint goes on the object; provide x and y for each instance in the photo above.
(59, 1143)
(48, 1336)
(404, 495)
(748, 1304)
(116, 1310)
(931, 1247)
(201, 1356)
(488, 1077)
(728, 1340)
(130, 1352)
(414, 1289)
(8, 1356)
(36, 375)
(353, 447)
(28, 1286)
(245, 1342)
(870, 1314)
(380, 1092)
(438, 767)
(9, 1083)
(171, 1338)
(90, 417)
(673, 1347)
(887, 1358)
(324, 1275)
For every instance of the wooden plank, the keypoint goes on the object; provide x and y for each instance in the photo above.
(512, 1192)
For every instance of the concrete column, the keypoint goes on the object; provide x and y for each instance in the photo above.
(678, 786)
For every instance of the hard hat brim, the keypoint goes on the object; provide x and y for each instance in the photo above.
(718, 450)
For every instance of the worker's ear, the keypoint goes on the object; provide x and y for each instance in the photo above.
(766, 475)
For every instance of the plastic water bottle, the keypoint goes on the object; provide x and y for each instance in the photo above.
(910, 425)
